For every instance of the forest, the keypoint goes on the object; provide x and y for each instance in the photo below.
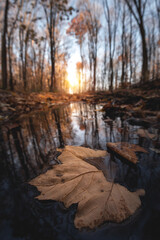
(118, 43)
(79, 119)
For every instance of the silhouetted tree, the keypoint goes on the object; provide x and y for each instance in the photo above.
(137, 9)
(4, 46)
(54, 9)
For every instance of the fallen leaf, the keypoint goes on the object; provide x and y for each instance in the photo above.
(125, 107)
(76, 181)
(82, 152)
(108, 120)
(4, 105)
(27, 109)
(140, 104)
(12, 109)
(158, 116)
(120, 130)
(1, 117)
(82, 127)
(155, 150)
(4, 109)
(145, 134)
(126, 150)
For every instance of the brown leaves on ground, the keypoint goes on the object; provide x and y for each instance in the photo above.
(76, 181)
(14, 104)
(126, 150)
(128, 102)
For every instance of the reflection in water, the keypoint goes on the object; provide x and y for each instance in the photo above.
(28, 146)
(88, 128)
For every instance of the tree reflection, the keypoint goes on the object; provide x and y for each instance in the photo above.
(28, 146)
(56, 113)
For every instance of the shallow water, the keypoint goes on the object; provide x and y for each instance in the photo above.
(27, 148)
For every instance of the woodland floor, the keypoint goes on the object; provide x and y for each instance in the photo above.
(141, 103)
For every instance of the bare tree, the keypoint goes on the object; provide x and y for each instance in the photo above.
(54, 9)
(158, 42)
(26, 33)
(51, 25)
(157, 2)
(78, 28)
(13, 22)
(123, 37)
(4, 47)
(112, 24)
(137, 9)
(92, 12)
(130, 48)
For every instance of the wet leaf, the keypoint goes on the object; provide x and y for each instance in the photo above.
(4, 109)
(1, 117)
(108, 120)
(125, 107)
(106, 106)
(145, 134)
(158, 116)
(82, 127)
(27, 109)
(140, 104)
(155, 150)
(126, 150)
(4, 105)
(76, 181)
(12, 109)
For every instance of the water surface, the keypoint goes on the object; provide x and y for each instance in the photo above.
(28, 148)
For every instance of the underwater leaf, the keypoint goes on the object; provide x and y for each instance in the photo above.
(126, 150)
(76, 181)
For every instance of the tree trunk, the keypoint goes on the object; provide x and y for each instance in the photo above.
(82, 60)
(4, 49)
(79, 77)
(21, 41)
(10, 65)
(25, 67)
(111, 74)
(140, 9)
(94, 74)
(42, 67)
(145, 73)
(52, 86)
(130, 49)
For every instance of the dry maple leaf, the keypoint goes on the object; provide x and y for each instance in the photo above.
(76, 181)
(126, 150)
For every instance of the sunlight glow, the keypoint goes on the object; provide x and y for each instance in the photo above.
(72, 78)
(72, 71)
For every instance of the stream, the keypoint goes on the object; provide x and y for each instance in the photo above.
(28, 148)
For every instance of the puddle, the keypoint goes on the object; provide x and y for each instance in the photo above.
(27, 148)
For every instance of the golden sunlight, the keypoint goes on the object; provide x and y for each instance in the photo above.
(72, 78)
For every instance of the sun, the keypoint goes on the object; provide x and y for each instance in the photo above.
(72, 77)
